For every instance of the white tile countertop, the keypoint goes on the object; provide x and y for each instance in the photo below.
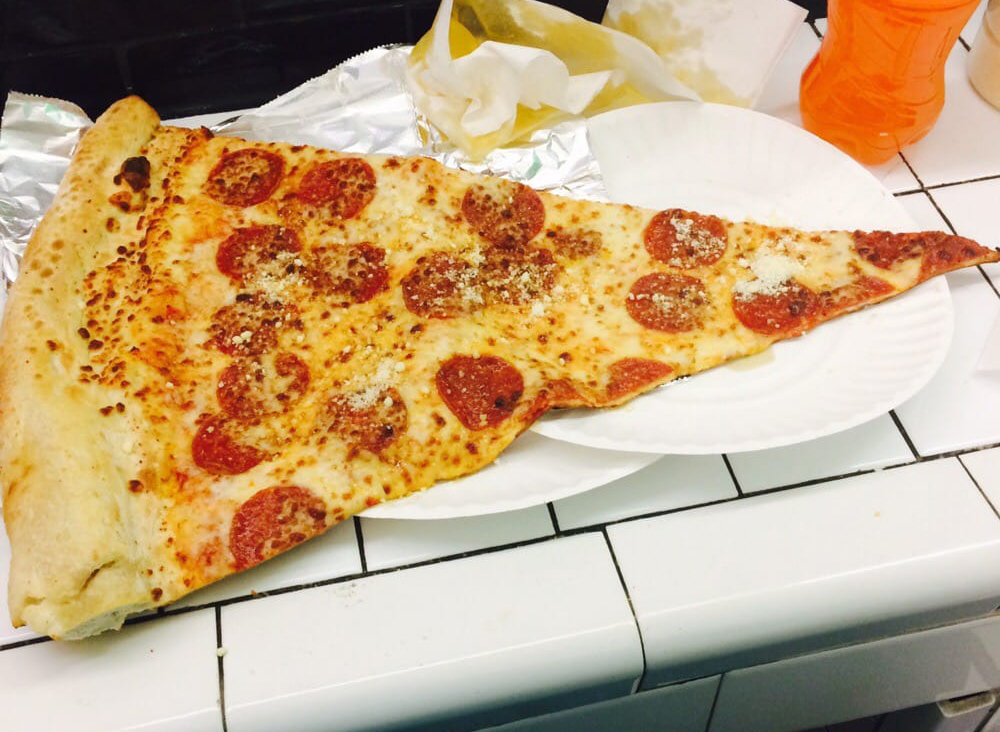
(696, 584)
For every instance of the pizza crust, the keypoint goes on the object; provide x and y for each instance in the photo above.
(78, 560)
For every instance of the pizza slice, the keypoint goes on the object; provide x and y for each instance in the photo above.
(217, 348)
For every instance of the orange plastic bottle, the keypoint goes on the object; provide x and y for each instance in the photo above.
(877, 83)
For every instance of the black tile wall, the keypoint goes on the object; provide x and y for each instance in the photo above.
(192, 56)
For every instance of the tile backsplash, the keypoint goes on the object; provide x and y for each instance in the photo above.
(188, 57)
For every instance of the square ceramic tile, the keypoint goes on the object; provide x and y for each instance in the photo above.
(894, 673)
(958, 409)
(920, 206)
(972, 208)
(871, 445)
(984, 466)
(672, 482)
(496, 637)
(780, 96)
(992, 723)
(160, 675)
(963, 143)
(331, 555)
(687, 706)
(393, 542)
(768, 576)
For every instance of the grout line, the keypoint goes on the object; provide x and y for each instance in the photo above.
(631, 607)
(553, 518)
(991, 715)
(906, 437)
(732, 475)
(912, 171)
(951, 226)
(989, 280)
(958, 453)
(951, 184)
(600, 527)
(361, 543)
(648, 515)
(820, 481)
(941, 212)
(343, 579)
(26, 642)
(715, 701)
(979, 487)
(220, 652)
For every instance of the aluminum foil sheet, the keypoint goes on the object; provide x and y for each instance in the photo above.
(362, 105)
(37, 139)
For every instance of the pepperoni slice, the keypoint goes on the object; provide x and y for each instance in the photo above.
(791, 308)
(216, 449)
(272, 520)
(673, 303)
(352, 274)
(251, 388)
(482, 392)
(370, 419)
(442, 286)
(265, 249)
(245, 177)
(343, 187)
(575, 243)
(517, 275)
(250, 326)
(685, 239)
(506, 214)
(630, 375)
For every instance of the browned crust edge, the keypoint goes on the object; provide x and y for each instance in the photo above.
(73, 558)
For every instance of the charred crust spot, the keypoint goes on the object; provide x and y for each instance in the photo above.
(135, 172)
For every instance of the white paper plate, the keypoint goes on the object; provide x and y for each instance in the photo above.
(741, 164)
(532, 471)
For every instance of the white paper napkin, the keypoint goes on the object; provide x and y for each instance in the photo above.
(724, 49)
(498, 69)
(492, 71)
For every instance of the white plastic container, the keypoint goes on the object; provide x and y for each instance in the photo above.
(984, 58)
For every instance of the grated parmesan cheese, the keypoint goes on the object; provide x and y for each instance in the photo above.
(771, 269)
(368, 390)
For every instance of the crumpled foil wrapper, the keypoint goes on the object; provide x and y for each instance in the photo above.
(362, 105)
(37, 139)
